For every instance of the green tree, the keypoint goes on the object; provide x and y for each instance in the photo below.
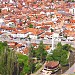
(49, 57)
(64, 57)
(60, 54)
(59, 45)
(7, 60)
(41, 53)
(30, 26)
(31, 62)
(52, 30)
(23, 64)
(72, 0)
(67, 47)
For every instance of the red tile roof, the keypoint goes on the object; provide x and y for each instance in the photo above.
(26, 51)
(18, 45)
(52, 64)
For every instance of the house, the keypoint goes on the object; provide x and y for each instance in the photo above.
(25, 51)
(68, 26)
(48, 48)
(20, 47)
(2, 21)
(34, 33)
(10, 24)
(48, 35)
(52, 66)
(12, 44)
(1, 33)
(34, 45)
(19, 33)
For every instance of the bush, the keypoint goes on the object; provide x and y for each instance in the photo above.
(38, 66)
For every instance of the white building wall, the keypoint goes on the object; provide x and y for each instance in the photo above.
(72, 11)
(33, 36)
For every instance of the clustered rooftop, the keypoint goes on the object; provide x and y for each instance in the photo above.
(17, 15)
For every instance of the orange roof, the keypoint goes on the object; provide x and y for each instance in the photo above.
(66, 31)
(73, 27)
(42, 35)
(23, 31)
(48, 33)
(34, 44)
(72, 21)
(48, 23)
(15, 32)
(58, 15)
(4, 12)
(0, 32)
(45, 27)
(52, 64)
(18, 45)
(34, 31)
(12, 44)
(47, 47)
(26, 51)
(68, 26)
(19, 5)
(69, 33)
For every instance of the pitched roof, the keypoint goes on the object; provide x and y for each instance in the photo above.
(1, 32)
(34, 31)
(52, 64)
(26, 50)
(18, 45)
(48, 33)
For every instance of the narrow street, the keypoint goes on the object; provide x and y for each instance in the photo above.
(71, 70)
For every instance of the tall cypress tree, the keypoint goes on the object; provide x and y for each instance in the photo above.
(7, 60)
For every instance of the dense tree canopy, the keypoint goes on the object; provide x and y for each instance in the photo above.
(30, 26)
(7, 60)
(60, 53)
(23, 63)
(31, 62)
(12, 63)
(41, 52)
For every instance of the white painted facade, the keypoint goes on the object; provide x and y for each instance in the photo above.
(33, 36)
(72, 11)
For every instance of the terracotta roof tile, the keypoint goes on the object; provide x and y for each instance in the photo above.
(47, 47)
(12, 44)
(34, 31)
(1, 32)
(73, 27)
(72, 21)
(48, 33)
(18, 45)
(34, 44)
(52, 64)
(26, 51)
